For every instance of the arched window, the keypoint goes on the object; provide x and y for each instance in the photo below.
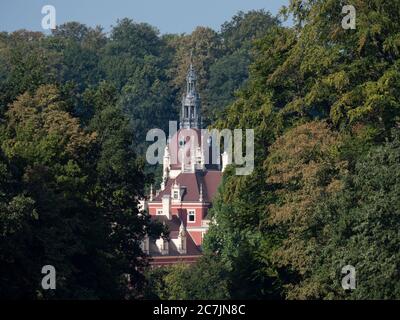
(192, 112)
(186, 111)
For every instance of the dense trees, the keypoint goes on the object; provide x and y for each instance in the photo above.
(67, 203)
(221, 59)
(324, 104)
(206, 280)
(75, 107)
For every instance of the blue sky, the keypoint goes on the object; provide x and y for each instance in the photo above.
(169, 16)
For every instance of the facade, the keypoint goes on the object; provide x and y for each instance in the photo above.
(187, 190)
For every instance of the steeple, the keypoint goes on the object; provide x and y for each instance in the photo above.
(151, 192)
(190, 112)
(191, 78)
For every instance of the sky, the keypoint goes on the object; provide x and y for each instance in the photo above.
(169, 16)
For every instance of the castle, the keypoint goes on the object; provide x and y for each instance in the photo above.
(188, 187)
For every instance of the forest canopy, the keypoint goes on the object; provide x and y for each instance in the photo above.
(75, 107)
(324, 103)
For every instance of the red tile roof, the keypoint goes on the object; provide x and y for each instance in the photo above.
(173, 227)
(209, 179)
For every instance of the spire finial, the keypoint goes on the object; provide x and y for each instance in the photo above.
(151, 192)
(190, 112)
(191, 76)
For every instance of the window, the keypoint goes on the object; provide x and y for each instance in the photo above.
(192, 112)
(159, 211)
(186, 112)
(192, 216)
(176, 194)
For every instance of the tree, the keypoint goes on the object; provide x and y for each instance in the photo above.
(243, 28)
(67, 203)
(358, 226)
(25, 65)
(304, 166)
(318, 98)
(148, 102)
(129, 46)
(205, 280)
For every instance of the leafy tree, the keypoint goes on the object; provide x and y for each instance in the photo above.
(130, 44)
(239, 238)
(205, 44)
(69, 203)
(245, 27)
(80, 49)
(148, 102)
(304, 166)
(205, 280)
(25, 65)
(315, 71)
(357, 226)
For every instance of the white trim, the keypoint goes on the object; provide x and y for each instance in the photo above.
(199, 204)
(197, 229)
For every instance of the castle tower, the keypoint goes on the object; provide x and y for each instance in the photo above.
(190, 113)
(189, 184)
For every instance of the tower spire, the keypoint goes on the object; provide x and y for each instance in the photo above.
(190, 113)
(151, 192)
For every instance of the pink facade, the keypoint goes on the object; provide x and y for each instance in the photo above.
(188, 187)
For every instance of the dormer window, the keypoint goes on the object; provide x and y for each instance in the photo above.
(176, 192)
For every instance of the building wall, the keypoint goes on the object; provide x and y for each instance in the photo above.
(182, 212)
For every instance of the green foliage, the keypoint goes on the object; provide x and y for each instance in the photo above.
(75, 107)
(322, 101)
(244, 28)
(237, 236)
(67, 203)
(24, 65)
(358, 226)
(205, 280)
(221, 59)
